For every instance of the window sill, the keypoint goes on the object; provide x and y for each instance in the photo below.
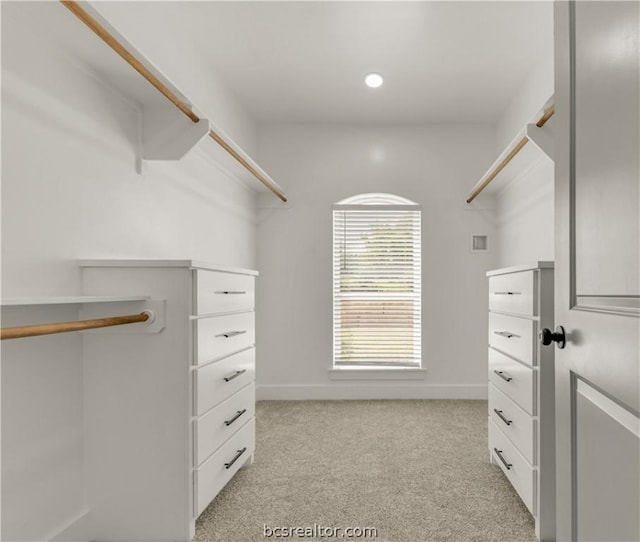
(381, 373)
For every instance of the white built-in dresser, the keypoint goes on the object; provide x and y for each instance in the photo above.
(169, 417)
(521, 387)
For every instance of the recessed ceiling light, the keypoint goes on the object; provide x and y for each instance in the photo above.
(373, 80)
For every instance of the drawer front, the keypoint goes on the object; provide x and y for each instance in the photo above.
(221, 422)
(517, 424)
(515, 380)
(214, 473)
(220, 336)
(220, 380)
(223, 292)
(513, 292)
(513, 336)
(515, 467)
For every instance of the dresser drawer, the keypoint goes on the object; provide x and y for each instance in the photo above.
(515, 467)
(513, 292)
(513, 336)
(217, 292)
(221, 422)
(514, 379)
(220, 380)
(517, 424)
(219, 336)
(216, 471)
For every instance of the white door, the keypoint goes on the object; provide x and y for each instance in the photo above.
(597, 270)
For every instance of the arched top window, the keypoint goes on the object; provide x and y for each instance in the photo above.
(376, 198)
(376, 282)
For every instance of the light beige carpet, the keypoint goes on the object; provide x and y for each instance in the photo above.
(413, 470)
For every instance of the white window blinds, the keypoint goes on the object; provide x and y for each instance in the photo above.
(376, 284)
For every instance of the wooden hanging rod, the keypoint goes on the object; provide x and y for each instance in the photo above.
(518, 147)
(225, 145)
(546, 116)
(127, 56)
(64, 327)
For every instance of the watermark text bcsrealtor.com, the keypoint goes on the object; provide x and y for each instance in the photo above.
(319, 531)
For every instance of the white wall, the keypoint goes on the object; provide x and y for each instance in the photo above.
(525, 217)
(69, 191)
(524, 208)
(322, 164)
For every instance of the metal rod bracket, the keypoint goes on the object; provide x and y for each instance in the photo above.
(156, 308)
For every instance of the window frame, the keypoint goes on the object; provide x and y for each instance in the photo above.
(379, 202)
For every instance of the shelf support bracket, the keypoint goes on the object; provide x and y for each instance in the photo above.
(168, 135)
(541, 139)
(157, 307)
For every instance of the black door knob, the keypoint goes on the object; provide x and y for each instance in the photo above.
(547, 337)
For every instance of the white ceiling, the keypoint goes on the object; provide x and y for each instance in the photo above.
(305, 61)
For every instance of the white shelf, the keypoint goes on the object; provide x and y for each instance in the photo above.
(72, 300)
(521, 162)
(166, 134)
(538, 146)
(524, 267)
(194, 264)
(57, 25)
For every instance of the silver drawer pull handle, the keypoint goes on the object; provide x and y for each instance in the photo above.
(228, 334)
(235, 458)
(504, 377)
(504, 462)
(228, 292)
(234, 375)
(500, 415)
(506, 334)
(238, 414)
(507, 293)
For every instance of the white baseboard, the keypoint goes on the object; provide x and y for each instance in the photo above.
(368, 391)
